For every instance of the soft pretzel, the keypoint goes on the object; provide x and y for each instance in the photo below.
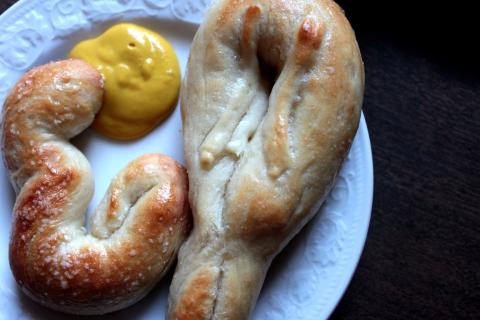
(137, 228)
(271, 103)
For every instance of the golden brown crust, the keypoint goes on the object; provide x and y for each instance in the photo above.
(138, 227)
(200, 299)
(270, 103)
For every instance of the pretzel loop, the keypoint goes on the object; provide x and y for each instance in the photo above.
(136, 230)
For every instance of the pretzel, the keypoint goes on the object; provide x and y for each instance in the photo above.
(135, 231)
(271, 103)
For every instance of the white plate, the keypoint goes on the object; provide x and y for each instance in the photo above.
(305, 282)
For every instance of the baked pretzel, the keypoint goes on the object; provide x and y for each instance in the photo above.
(135, 231)
(271, 103)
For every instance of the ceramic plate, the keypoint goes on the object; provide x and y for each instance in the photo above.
(308, 278)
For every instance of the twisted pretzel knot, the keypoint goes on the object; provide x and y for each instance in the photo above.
(271, 103)
(137, 228)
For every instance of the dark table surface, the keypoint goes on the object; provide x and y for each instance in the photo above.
(422, 106)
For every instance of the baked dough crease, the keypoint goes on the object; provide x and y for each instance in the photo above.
(270, 105)
(135, 231)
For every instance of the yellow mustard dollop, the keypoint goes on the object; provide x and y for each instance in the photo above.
(142, 79)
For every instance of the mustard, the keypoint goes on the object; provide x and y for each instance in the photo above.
(142, 79)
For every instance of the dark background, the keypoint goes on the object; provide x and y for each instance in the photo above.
(422, 100)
